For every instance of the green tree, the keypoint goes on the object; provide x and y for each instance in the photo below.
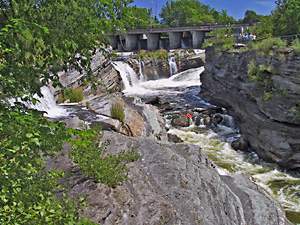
(191, 12)
(264, 28)
(251, 17)
(221, 39)
(38, 38)
(139, 18)
(286, 17)
(222, 17)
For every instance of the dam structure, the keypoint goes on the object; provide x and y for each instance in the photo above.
(191, 37)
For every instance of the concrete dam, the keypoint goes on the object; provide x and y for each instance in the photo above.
(165, 38)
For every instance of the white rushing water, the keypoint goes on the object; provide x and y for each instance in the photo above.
(47, 104)
(128, 75)
(135, 87)
(173, 66)
(141, 70)
(282, 186)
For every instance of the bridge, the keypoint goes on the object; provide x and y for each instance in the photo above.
(166, 38)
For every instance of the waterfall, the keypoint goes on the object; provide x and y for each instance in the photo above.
(141, 68)
(173, 66)
(47, 104)
(139, 87)
(128, 75)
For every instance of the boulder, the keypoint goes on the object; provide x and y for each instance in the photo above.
(174, 138)
(180, 122)
(240, 144)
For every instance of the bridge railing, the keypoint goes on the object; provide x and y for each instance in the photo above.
(203, 27)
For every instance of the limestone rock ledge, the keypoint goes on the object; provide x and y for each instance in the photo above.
(171, 184)
(268, 109)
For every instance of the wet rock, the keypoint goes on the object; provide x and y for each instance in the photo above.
(207, 121)
(134, 124)
(217, 119)
(180, 122)
(153, 101)
(240, 144)
(75, 123)
(258, 207)
(269, 121)
(174, 138)
(171, 184)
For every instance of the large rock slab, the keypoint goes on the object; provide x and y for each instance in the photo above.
(172, 184)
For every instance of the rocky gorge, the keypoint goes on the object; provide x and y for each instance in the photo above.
(186, 173)
(265, 102)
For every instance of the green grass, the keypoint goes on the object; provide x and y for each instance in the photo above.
(109, 169)
(294, 217)
(117, 111)
(267, 45)
(73, 94)
(296, 46)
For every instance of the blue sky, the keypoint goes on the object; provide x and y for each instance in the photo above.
(235, 8)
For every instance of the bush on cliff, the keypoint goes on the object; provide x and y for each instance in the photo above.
(161, 54)
(28, 190)
(117, 111)
(222, 40)
(267, 45)
(73, 94)
(88, 154)
(296, 46)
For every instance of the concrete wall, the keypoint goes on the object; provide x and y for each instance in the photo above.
(198, 38)
(153, 41)
(131, 42)
(175, 40)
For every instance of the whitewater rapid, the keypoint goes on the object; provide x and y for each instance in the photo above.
(133, 86)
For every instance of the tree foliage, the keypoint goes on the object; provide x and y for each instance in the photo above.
(221, 39)
(27, 190)
(264, 28)
(251, 17)
(139, 18)
(286, 17)
(191, 12)
(41, 38)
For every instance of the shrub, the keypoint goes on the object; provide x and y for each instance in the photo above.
(117, 111)
(296, 46)
(256, 72)
(28, 191)
(86, 152)
(222, 40)
(267, 45)
(74, 95)
(161, 54)
(267, 96)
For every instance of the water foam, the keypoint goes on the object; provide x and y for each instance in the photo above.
(137, 87)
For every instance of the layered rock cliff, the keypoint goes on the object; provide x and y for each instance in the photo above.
(263, 93)
(171, 184)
